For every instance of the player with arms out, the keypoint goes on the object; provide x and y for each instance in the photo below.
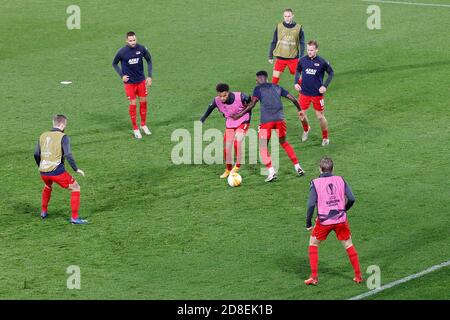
(229, 104)
(312, 69)
(272, 117)
(333, 198)
(52, 147)
(288, 44)
(133, 76)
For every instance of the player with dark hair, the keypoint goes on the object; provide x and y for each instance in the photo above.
(333, 198)
(288, 44)
(272, 117)
(133, 76)
(312, 69)
(52, 147)
(229, 104)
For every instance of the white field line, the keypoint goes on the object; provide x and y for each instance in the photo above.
(411, 3)
(406, 279)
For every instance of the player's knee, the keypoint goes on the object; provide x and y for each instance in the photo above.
(347, 243)
(320, 116)
(302, 116)
(133, 102)
(74, 187)
(143, 99)
(48, 187)
(314, 242)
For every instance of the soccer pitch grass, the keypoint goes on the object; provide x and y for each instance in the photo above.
(161, 231)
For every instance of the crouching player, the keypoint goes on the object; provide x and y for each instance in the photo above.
(49, 154)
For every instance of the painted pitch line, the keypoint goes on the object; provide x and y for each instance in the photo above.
(406, 279)
(411, 3)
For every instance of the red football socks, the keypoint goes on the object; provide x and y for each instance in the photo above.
(143, 112)
(324, 134)
(275, 80)
(46, 194)
(132, 111)
(314, 261)
(305, 126)
(75, 203)
(265, 157)
(290, 152)
(353, 256)
(238, 152)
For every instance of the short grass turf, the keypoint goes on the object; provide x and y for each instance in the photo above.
(164, 231)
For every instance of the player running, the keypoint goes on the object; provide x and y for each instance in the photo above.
(333, 197)
(312, 69)
(288, 41)
(49, 154)
(132, 74)
(231, 103)
(272, 117)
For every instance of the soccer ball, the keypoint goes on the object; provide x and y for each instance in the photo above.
(234, 179)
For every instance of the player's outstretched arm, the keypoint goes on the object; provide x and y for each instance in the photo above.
(249, 107)
(210, 109)
(294, 101)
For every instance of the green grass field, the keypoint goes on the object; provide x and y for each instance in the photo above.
(162, 231)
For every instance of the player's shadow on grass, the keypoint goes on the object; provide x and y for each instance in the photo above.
(300, 267)
(23, 208)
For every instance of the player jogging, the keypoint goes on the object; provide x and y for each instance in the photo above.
(132, 74)
(312, 69)
(229, 104)
(272, 117)
(49, 154)
(288, 43)
(333, 198)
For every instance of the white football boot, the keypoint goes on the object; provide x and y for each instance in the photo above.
(325, 142)
(137, 134)
(146, 130)
(305, 134)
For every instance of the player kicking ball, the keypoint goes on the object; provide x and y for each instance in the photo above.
(333, 197)
(312, 69)
(133, 77)
(272, 117)
(229, 104)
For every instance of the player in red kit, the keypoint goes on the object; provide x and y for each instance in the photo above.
(272, 118)
(230, 103)
(333, 198)
(133, 76)
(312, 69)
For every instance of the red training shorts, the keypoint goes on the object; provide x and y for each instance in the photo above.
(265, 129)
(135, 89)
(230, 133)
(317, 101)
(321, 232)
(63, 179)
(281, 64)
